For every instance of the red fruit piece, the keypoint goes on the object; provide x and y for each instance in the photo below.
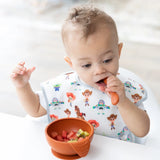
(54, 134)
(65, 140)
(59, 138)
(64, 134)
(71, 134)
(73, 137)
(80, 139)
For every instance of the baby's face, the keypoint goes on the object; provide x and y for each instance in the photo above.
(94, 58)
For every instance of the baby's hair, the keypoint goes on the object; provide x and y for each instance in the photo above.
(88, 18)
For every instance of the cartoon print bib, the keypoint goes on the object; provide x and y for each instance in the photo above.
(68, 96)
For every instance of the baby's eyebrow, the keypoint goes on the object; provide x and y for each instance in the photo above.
(109, 51)
(87, 58)
(84, 58)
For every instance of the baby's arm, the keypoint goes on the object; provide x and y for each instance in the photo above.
(135, 118)
(29, 100)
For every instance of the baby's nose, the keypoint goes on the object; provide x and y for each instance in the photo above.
(99, 69)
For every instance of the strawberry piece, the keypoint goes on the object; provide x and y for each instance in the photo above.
(80, 139)
(65, 140)
(54, 135)
(64, 134)
(59, 138)
(71, 134)
(74, 137)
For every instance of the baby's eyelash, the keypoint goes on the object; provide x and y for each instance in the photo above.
(86, 65)
(107, 60)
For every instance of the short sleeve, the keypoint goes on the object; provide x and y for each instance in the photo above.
(134, 87)
(42, 99)
(141, 106)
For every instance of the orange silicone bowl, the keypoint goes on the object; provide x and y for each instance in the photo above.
(69, 124)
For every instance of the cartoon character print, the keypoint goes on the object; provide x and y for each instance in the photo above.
(71, 97)
(68, 112)
(94, 123)
(136, 97)
(68, 74)
(101, 107)
(57, 87)
(87, 93)
(112, 118)
(55, 102)
(78, 113)
(129, 85)
(125, 134)
(76, 85)
(53, 117)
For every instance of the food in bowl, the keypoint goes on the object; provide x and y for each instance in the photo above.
(57, 131)
(72, 136)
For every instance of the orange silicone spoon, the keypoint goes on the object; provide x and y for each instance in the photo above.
(114, 96)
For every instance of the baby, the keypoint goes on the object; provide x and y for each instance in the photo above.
(93, 50)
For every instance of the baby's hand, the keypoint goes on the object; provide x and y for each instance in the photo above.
(21, 75)
(114, 85)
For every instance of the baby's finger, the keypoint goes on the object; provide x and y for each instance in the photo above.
(103, 89)
(22, 63)
(21, 68)
(114, 84)
(114, 81)
(13, 75)
(111, 79)
(18, 70)
(30, 70)
(114, 89)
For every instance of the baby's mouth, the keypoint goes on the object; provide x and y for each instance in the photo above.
(101, 83)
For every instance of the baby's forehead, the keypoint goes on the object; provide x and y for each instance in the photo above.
(70, 28)
(96, 43)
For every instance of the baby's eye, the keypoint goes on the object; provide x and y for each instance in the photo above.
(86, 66)
(107, 60)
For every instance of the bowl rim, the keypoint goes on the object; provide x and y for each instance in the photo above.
(69, 118)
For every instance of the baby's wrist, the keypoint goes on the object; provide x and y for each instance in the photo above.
(21, 87)
(122, 101)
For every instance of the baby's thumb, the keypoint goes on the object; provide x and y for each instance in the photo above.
(30, 70)
(103, 89)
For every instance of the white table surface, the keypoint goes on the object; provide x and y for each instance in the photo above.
(24, 139)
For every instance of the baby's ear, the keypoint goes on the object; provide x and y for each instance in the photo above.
(68, 60)
(120, 45)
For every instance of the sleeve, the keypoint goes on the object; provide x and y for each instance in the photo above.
(141, 106)
(42, 99)
(134, 88)
(139, 96)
